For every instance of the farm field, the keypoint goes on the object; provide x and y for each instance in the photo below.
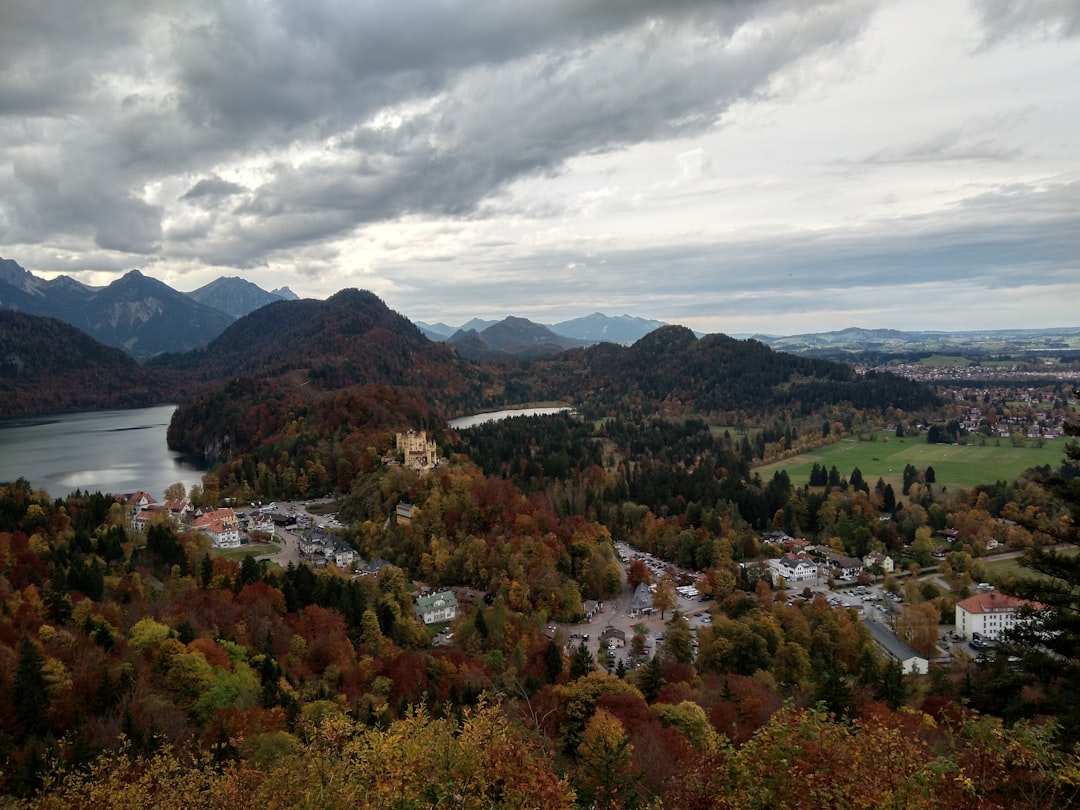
(954, 465)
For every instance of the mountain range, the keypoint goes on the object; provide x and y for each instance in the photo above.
(136, 313)
(145, 317)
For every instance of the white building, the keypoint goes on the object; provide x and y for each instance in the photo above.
(793, 568)
(988, 613)
(222, 525)
(436, 607)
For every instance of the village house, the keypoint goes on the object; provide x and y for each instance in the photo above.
(138, 501)
(323, 548)
(436, 607)
(405, 512)
(179, 509)
(222, 526)
(153, 513)
(989, 614)
(844, 567)
(613, 634)
(875, 558)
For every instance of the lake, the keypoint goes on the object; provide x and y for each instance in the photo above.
(463, 422)
(106, 451)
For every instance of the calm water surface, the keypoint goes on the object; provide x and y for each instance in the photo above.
(463, 422)
(106, 451)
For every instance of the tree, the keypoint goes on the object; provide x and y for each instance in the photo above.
(663, 597)
(603, 777)
(582, 662)
(553, 662)
(637, 572)
(650, 679)
(176, 492)
(30, 690)
(917, 625)
(1048, 641)
(888, 499)
(678, 641)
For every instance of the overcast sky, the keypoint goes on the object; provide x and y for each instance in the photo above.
(733, 166)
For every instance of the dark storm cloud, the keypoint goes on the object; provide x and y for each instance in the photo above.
(355, 113)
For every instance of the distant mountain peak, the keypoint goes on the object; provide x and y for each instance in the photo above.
(624, 329)
(285, 294)
(237, 296)
(19, 277)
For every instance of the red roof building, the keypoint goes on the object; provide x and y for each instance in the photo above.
(988, 614)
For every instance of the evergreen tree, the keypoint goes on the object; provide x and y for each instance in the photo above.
(891, 687)
(582, 662)
(30, 694)
(650, 679)
(206, 571)
(553, 662)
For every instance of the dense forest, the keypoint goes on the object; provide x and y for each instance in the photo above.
(303, 687)
(47, 366)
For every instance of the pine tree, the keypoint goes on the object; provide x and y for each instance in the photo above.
(29, 691)
(650, 679)
(553, 662)
(582, 662)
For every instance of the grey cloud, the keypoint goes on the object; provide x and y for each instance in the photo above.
(129, 95)
(214, 188)
(1013, 19)
(946, 147)
(495, 124)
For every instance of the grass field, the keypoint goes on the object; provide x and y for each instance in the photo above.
(954, 465)
(254, 549)
(1012, 568)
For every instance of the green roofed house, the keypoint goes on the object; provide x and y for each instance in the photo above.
(436, 607)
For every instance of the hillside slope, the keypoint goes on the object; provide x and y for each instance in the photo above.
(48, 366)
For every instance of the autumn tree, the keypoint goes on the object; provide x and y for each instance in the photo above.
(603, 776)
(637, 572)
(1048, 640)
(664, 598)
(917, 625)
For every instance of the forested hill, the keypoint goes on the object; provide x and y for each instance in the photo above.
(676, 371)
(47, 366)
(327, 368)
(350, 338)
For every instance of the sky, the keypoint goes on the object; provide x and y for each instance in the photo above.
(737, 166)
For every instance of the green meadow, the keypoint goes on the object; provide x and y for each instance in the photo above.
(999, 570)
(954, 465)
(254, 549)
